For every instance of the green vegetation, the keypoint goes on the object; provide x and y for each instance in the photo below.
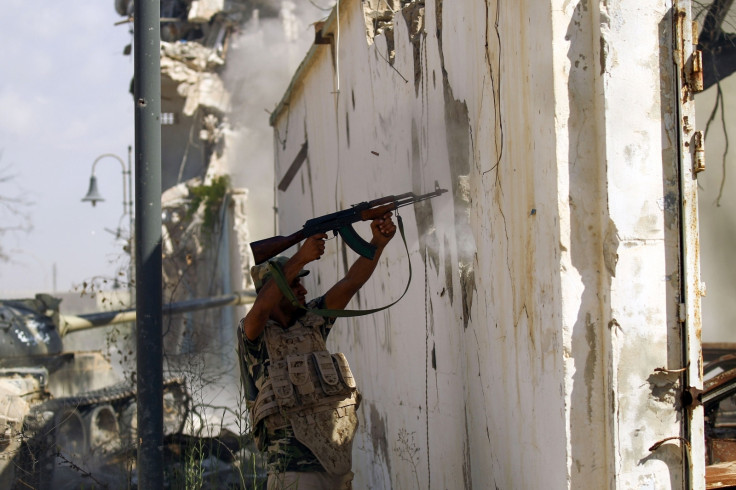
(211, 197)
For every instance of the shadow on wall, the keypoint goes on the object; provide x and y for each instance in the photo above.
(585, 217)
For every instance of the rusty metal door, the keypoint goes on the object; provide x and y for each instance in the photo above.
(689, 80)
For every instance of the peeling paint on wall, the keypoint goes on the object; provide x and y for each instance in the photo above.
(423, 214)
(610, 248)
(379, 434)
(414, 17)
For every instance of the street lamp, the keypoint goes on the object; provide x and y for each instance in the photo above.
(93, 196)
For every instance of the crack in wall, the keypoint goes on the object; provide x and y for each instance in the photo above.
(524, 311)
(480, 378)
(495, 86)
(467, 458)
(347, 128)
(497, 198)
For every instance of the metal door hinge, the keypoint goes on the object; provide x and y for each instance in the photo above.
(687, 56)
(695, 75)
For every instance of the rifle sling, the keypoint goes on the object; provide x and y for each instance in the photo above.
(278, 276)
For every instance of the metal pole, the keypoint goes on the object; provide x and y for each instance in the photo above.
(149, 345)
(131, 231)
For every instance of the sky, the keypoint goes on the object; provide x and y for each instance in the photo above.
(64, 94)
(65, 101)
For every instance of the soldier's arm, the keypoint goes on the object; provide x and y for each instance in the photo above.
(339, 295)
(270, 295)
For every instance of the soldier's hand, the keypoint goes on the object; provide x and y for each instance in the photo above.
(383, 229)
(312, 248)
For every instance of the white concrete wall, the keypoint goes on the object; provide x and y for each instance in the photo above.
(545, 284)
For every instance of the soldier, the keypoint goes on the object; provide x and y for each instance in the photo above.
(302, 399)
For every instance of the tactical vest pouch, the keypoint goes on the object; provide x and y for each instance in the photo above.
(282, 387)
(346, 375)
(328, 377)
(298, 367)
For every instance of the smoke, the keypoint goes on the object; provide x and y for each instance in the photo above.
(262, 61)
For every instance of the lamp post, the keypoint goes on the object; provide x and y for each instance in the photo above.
(93, 196)
(148, 259)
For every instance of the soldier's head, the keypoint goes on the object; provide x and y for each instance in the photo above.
(261, 274)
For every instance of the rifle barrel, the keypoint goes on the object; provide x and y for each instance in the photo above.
(414, 199)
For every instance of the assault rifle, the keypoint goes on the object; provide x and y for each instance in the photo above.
(340, 222)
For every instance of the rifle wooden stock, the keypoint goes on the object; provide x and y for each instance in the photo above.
(271, 247)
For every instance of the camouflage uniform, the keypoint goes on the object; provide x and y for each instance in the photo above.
(285, 452)
(302, 399)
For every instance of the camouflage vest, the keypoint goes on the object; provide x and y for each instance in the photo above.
(310, 390)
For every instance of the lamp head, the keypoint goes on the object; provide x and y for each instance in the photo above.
(93, 195)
